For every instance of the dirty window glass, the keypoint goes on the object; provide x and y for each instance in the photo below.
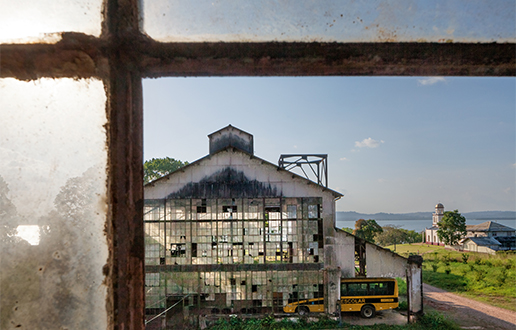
(330, 20)
(29, 21)
(52, 204)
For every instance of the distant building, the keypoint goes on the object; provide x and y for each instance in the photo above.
(480, 244)
(489, 237)
(431, 233)
(490, 229)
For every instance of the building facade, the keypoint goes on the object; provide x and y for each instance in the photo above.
(233, 233)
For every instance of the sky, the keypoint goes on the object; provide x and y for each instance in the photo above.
(394, 144)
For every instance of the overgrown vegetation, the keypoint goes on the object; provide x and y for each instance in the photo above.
(268, 322)
(367, 229)
(402, 286)
(371, 231)
(396, 235)
(487, 278)
(429, 321)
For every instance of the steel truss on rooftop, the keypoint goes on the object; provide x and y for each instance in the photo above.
(317, 163)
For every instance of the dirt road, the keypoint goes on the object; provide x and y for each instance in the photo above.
(469, 314)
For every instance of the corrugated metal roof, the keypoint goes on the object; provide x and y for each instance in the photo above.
(483, 241)
(489, 226)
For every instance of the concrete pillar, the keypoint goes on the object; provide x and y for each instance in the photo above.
(415, 285)
(332, 284)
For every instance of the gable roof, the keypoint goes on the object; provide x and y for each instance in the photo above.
(489, 226)
(482, 241)
(336, 194)
(231, 136)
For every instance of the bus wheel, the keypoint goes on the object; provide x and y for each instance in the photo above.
(302, 310)
(367, 311)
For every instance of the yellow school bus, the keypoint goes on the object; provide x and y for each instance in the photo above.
(364, 295)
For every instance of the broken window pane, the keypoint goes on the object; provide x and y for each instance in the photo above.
(30, 21)
(53, 200)
(329, 20)
(291, 211)
(313, 211)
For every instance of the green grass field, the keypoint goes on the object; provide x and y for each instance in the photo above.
(487, 278)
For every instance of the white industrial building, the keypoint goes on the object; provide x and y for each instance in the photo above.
(233, 233)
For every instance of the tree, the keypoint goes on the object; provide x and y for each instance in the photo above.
(158, 167)
(367, 229)
(348, 230)
(396, 235)
(452, 227)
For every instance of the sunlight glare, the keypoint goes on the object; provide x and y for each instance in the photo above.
(30, 233)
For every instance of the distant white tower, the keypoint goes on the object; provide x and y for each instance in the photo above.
(431, 233)
(438, 215)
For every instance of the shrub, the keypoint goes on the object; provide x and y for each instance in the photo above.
(463, 271)
(268, 320)
(402, 286)
(480, 274)
(434, 320)
(434, 267)
(403, 306)
(465, 258)
(502, 277)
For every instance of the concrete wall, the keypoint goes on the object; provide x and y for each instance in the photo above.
(340, 252)
(384, 263)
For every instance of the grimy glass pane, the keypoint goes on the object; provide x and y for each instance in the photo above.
(29, 20)
(52, 204)
(330, 20)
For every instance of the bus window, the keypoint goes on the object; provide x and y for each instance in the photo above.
(381, 288)
(357, 289)
(343, 289)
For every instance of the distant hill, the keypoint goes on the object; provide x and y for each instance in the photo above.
(484, 215)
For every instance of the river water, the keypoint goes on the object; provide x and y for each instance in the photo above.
(420, 225)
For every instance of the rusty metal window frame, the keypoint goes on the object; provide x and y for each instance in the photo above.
(123, 55)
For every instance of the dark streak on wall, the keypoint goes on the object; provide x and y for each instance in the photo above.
(227, 183)
(230, 140)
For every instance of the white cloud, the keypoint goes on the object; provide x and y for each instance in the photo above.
(430, 81)
(507, 190)
(368, 143)
(513, 165)
(381, 180)
(343, 158)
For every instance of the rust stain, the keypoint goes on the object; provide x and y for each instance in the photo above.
(75, 56)
(80, 56)
(283, 59)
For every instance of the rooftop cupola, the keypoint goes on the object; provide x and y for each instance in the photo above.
(230, 136)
